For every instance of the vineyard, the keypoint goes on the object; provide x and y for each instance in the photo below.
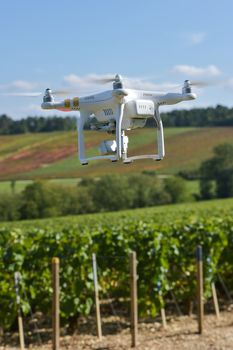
(165, 239)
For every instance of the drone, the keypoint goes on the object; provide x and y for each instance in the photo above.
(116, 111)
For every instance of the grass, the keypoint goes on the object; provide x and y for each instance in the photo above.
(54, 155)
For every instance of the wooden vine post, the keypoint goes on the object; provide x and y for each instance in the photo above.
(162, 311)
(133, 299)
(97, 303)
(18, 302)
(200, 304)
(215, 299)
(55, 304)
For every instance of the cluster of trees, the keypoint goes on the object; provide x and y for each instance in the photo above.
(109, 193)
(216, 174)
(8, 126)
(218, 116)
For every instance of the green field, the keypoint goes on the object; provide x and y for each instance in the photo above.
(54, 155)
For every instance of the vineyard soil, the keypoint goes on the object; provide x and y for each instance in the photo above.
(181, 334)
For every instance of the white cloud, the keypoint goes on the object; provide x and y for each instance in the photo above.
(140, 83)
(196, 38)
(209, 71)
(72, 79)
(228, 83)
(86, 81)
(19, 85)
(83, 84)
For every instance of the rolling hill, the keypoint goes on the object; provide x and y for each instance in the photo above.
(53, 155)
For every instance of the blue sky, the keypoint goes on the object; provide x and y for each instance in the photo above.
(58, 44)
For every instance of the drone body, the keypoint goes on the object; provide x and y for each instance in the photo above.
(116, 111)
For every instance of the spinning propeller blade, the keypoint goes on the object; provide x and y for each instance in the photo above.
(103, 79)
(199, 83)
(215, 82)
(64, 92)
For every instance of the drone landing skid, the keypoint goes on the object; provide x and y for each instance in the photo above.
(146, 156)
(86, 160)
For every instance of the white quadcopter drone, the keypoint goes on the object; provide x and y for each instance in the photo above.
(116, 111)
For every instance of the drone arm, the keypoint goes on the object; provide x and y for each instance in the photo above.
(172, 98)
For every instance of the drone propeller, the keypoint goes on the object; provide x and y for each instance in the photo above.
(104, 79)
(201, 83)
(216, 82)
(64, 92)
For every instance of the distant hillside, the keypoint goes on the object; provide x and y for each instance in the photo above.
(54, 155)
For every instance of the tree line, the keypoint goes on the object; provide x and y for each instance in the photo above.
(42, 199)
(9, 126)
(196, 117)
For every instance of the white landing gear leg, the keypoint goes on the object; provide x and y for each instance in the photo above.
(82, 118)
(81, 146)
(160, 143)
(119, 131)
(160, 137)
